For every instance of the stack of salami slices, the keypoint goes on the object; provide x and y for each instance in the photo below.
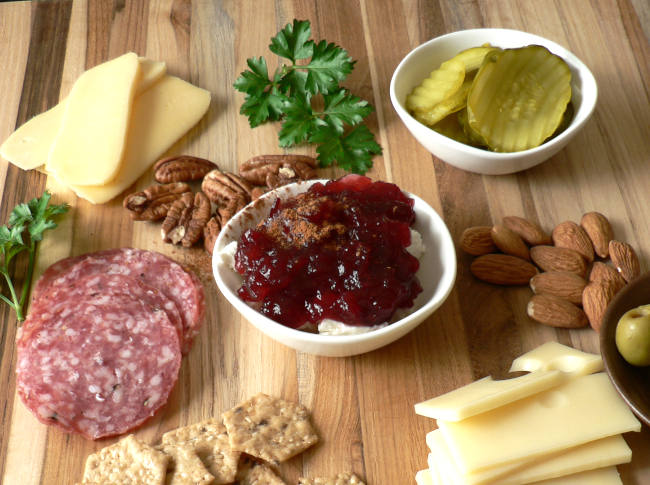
(100, 350)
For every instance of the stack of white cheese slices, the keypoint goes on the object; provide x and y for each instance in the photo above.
(119, 117)
(561, 423)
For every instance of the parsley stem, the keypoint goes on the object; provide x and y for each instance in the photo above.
(27, 281)
(15, 305)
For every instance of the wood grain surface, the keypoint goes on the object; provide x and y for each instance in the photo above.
(362, 406)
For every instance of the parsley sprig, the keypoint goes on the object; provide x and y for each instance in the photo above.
(289, 96)
(27, 223)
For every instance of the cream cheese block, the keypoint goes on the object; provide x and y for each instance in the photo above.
(161, 115)
(91, 141)
(549, 365)
(29, 146)
(576, 412)
(609, 451)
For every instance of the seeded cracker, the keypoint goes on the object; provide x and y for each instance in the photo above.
(268, 428)
(129, 461)
(185, 467)
(258, 474)
(210, 442)
(340, 479)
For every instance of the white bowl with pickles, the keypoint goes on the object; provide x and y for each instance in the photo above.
(493, 121)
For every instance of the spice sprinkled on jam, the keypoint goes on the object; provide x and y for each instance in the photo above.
(337, 251)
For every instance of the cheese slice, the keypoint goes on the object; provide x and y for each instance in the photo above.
(609, 451)
(90, 144)
(602, 476)
(549, 365)
(161, 115)
(579, 411)
(553, 355)
(29, 146)
(423, 477)
(486, 394)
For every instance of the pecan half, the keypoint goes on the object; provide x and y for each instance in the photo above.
(257, 169)
(183, 168)
(222, 187)
(210, 233)
(154, 202)
(258, 192)
(186, 219)
(231, 208)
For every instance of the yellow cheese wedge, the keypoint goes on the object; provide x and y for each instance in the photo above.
(90, 144)
(602, 476)
(423, 477)
(161, 115)
(553, 355)
(549, 365)
(609, 451)
(29, 146)
(579, 411)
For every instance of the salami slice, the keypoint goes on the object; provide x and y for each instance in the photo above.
(99, 362)
(152, 268)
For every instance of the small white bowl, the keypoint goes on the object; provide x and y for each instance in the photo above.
(436, 274)
(418, 64)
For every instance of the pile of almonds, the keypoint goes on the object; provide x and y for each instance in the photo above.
(189, 217)
(571, 287)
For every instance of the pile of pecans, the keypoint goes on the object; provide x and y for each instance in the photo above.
(573, 288)
(189, 217)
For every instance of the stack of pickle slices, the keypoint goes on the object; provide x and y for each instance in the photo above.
(503, 100)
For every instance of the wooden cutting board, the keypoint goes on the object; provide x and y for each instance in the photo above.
(362, 406)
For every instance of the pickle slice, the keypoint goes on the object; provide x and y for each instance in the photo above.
(441, 83)
(453, 103)
(451, 128)
(474, 138)
(518, 98)
(473, 57)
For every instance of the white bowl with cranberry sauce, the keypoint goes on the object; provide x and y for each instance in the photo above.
(436, 274)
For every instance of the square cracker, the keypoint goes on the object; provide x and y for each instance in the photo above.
(127, 461)
(185, 467)
(269, 428)
(252, 473)
(340, 479)
(210, 442)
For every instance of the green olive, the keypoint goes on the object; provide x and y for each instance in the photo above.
(633, 336)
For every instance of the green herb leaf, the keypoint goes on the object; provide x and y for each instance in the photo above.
(263, 100)
(329, 66)
(32, 218)
(299, 120)
(342, 108)
(293, 42)
(352, 151)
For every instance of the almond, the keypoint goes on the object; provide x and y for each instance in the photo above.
(502, 269)
(604, 272)
(509, 242)
(477, 240)
(556, 312)
(527, 230)
(559, 283)
(625, 260)
(553, 258)
(595, 299)
(570, 235)
(599, 231)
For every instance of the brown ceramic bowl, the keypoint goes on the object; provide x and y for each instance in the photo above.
(632, 383)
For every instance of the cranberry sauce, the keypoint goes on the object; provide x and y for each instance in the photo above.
(336, 251)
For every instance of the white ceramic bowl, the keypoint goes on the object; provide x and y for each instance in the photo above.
(437, 274)
(417, 65)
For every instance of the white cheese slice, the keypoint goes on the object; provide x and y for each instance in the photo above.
(601, 476)
(581, 410)
(486, 394)
(29, 146)
(90, 144)
(161, 115)
(549, 365)
(553, 355)
(609, 451)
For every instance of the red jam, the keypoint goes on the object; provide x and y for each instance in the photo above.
(336, 251)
